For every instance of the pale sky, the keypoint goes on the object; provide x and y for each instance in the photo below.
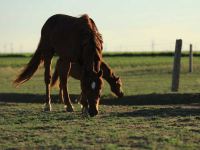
(126, 25)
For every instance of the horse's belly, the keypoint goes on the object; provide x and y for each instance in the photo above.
(75, 71)
(67, 46)
(70, 54)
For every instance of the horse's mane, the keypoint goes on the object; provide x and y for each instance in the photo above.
(97, 35)
(91, 38)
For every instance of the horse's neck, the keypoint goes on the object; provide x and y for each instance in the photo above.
(87, 63)
(107, 72)
(92, 65)
(87, 60)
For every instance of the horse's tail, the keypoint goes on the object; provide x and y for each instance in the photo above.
(31, 67)
(55, 75)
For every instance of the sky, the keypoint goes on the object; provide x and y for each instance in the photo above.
(128, 25)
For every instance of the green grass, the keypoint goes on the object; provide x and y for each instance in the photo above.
(116, 127)
(150, 116)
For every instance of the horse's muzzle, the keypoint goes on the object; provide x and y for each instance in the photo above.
(93, 112)
(121, 94)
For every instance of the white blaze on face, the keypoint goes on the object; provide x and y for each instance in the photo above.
(93, 85)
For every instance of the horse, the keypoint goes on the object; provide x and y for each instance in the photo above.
(75, 72)
(74, 40)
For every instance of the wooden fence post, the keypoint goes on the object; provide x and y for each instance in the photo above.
(177, 66)
(191, 60)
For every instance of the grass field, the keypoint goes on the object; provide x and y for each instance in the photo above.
(149, 116)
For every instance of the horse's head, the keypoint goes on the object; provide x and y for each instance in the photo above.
(116, 86)
(91, 85)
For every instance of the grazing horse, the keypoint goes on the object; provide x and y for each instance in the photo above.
(74, 40)
(75, 72)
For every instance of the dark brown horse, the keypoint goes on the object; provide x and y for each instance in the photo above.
(75, 40)
(75, 72)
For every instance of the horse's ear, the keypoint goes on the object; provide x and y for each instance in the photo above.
(100, 73)
(117, 78)
(113, 74)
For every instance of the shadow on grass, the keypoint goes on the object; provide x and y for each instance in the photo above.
(160, 112)
(185, 103)
(154, 99)
(29, 98)
(148, 99)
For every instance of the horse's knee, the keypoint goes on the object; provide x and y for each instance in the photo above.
(47, 72)
(47, 79)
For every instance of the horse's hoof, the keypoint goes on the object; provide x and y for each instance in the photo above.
(84, 110)
(47, 107)
(69, 108)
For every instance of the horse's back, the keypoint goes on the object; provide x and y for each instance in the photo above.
(63, 32)
(59, 24)
(55, 19)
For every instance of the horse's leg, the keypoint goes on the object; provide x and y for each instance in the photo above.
(64, 69)
(47, 79)
(61, 93)
(78, 99)
(84, 103)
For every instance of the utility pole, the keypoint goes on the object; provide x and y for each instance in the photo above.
(152, 45)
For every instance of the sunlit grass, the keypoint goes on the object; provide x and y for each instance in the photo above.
(120, 124)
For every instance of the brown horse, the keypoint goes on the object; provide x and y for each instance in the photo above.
(74, 40)
(75, 72)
